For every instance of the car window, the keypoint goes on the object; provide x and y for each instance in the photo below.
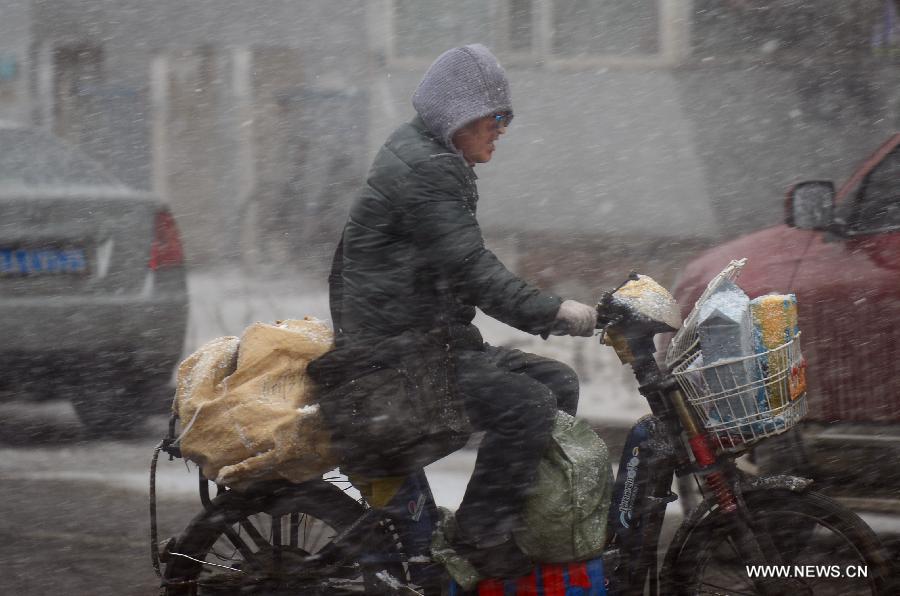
(879, 198)
(30, 157)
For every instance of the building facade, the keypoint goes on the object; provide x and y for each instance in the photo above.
(643, 129)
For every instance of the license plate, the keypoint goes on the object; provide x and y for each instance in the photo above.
(42, 261)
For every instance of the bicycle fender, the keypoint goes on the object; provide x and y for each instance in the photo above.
(795, 484)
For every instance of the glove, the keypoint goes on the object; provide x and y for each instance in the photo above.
(577, 318)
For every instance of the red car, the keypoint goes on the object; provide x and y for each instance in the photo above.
(839, 252)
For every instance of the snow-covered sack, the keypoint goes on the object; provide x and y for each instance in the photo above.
(247, 406)
(566, 511)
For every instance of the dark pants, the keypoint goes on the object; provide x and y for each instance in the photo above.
(513, 396)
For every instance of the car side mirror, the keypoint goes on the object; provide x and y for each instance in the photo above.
(810, 205)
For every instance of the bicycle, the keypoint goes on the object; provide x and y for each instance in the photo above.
(315, 538)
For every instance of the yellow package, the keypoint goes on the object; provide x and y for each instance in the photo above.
(775, 324)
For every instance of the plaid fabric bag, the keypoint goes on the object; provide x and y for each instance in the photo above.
(548, 579)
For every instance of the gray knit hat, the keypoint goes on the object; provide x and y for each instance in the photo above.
(462, 85)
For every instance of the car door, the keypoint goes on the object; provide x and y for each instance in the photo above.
(849, 294)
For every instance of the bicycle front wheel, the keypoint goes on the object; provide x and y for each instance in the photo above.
(822, 549)
(267, 544)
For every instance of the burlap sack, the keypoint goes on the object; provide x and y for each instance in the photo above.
(246, 405)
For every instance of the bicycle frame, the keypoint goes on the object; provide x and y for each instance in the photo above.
(636, 516)
(651, 458)
(658, 438)
(653, 455)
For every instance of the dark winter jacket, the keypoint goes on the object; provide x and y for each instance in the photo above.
(413, 256)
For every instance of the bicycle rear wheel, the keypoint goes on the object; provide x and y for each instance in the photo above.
(824, 549)
(266, 544)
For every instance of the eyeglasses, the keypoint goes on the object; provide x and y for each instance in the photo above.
(503, 118)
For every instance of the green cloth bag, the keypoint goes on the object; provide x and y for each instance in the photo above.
(565, 514)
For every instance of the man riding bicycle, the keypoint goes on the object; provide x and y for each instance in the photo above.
(412, 257)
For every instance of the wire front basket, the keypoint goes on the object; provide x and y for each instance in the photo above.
(742, 400)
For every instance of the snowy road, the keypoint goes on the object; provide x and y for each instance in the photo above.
(75, 512)
(74, 515)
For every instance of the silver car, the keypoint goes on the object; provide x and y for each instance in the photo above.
(93, 289)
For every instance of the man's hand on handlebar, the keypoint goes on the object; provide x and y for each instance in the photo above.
(575, 318)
